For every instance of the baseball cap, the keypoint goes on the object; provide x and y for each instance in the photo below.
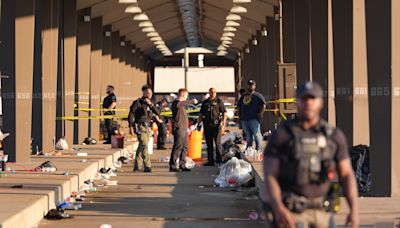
(309, 88)
(251, 82)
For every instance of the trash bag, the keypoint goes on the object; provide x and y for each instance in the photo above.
(360, 161)
(190, 164)
(235, 172)
(123, 159)
(56, 214)
(47, 166)
(230, 150)
(89, 141)
(62, 144)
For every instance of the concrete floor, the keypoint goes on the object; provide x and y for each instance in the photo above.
(163, 199)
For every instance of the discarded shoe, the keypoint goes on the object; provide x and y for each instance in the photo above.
(57, 214)
(123, 160)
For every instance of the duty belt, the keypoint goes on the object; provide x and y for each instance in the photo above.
(299, 204)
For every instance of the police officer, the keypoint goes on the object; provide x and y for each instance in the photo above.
(162, 125)
(300, 163)
(109, 102)
(140, 116)
(213, 115)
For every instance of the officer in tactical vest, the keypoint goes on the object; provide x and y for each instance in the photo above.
(141, 113)
(300, 163)
(213, 115)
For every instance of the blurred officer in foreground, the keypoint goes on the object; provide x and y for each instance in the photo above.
(300, 163)
(213, 115)
(141, 113)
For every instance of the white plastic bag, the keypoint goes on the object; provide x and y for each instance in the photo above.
(150, 145)
(234, 173)
(190, 164)
(62, 144)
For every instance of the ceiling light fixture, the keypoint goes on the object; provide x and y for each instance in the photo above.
(148, 29)
(228, 34)
(233, 17)
(144, 24)
(232, 24)
(238, 9)
(221, 53)
(226, 38)
(241, 1)
(264, 32)
(221, 48)
(127, 1)
(254, 42)
(155, 38)
(230, 29)
(141, 17)
(159, 42)
(133, 9)
(153, 34)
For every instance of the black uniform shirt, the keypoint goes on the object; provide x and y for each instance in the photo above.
(278, 146)
(108, 100)
(212, 111)
(140, 112)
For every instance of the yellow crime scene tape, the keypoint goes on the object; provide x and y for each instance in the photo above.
(165, 113)
(101, 109)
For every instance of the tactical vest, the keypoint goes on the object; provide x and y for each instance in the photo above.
(211, 109)
(309, 157)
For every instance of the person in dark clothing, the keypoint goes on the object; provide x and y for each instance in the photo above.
(141, 113)
(300, 162)
(109, 102)
(162, 125)
(213, 116)
(180, 125)
(251, 108)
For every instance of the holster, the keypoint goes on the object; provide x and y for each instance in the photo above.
(299, 204)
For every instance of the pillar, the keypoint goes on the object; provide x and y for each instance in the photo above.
(83, 72)
(49, 19)
(95, 75)
(115, 47)
(378, 22)
(395, 143)
(360, 76)
(331, 71)
(69, 36)
(289, 46)
(319, 44)
(342, 19)
(16, 68)
(302, 39)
